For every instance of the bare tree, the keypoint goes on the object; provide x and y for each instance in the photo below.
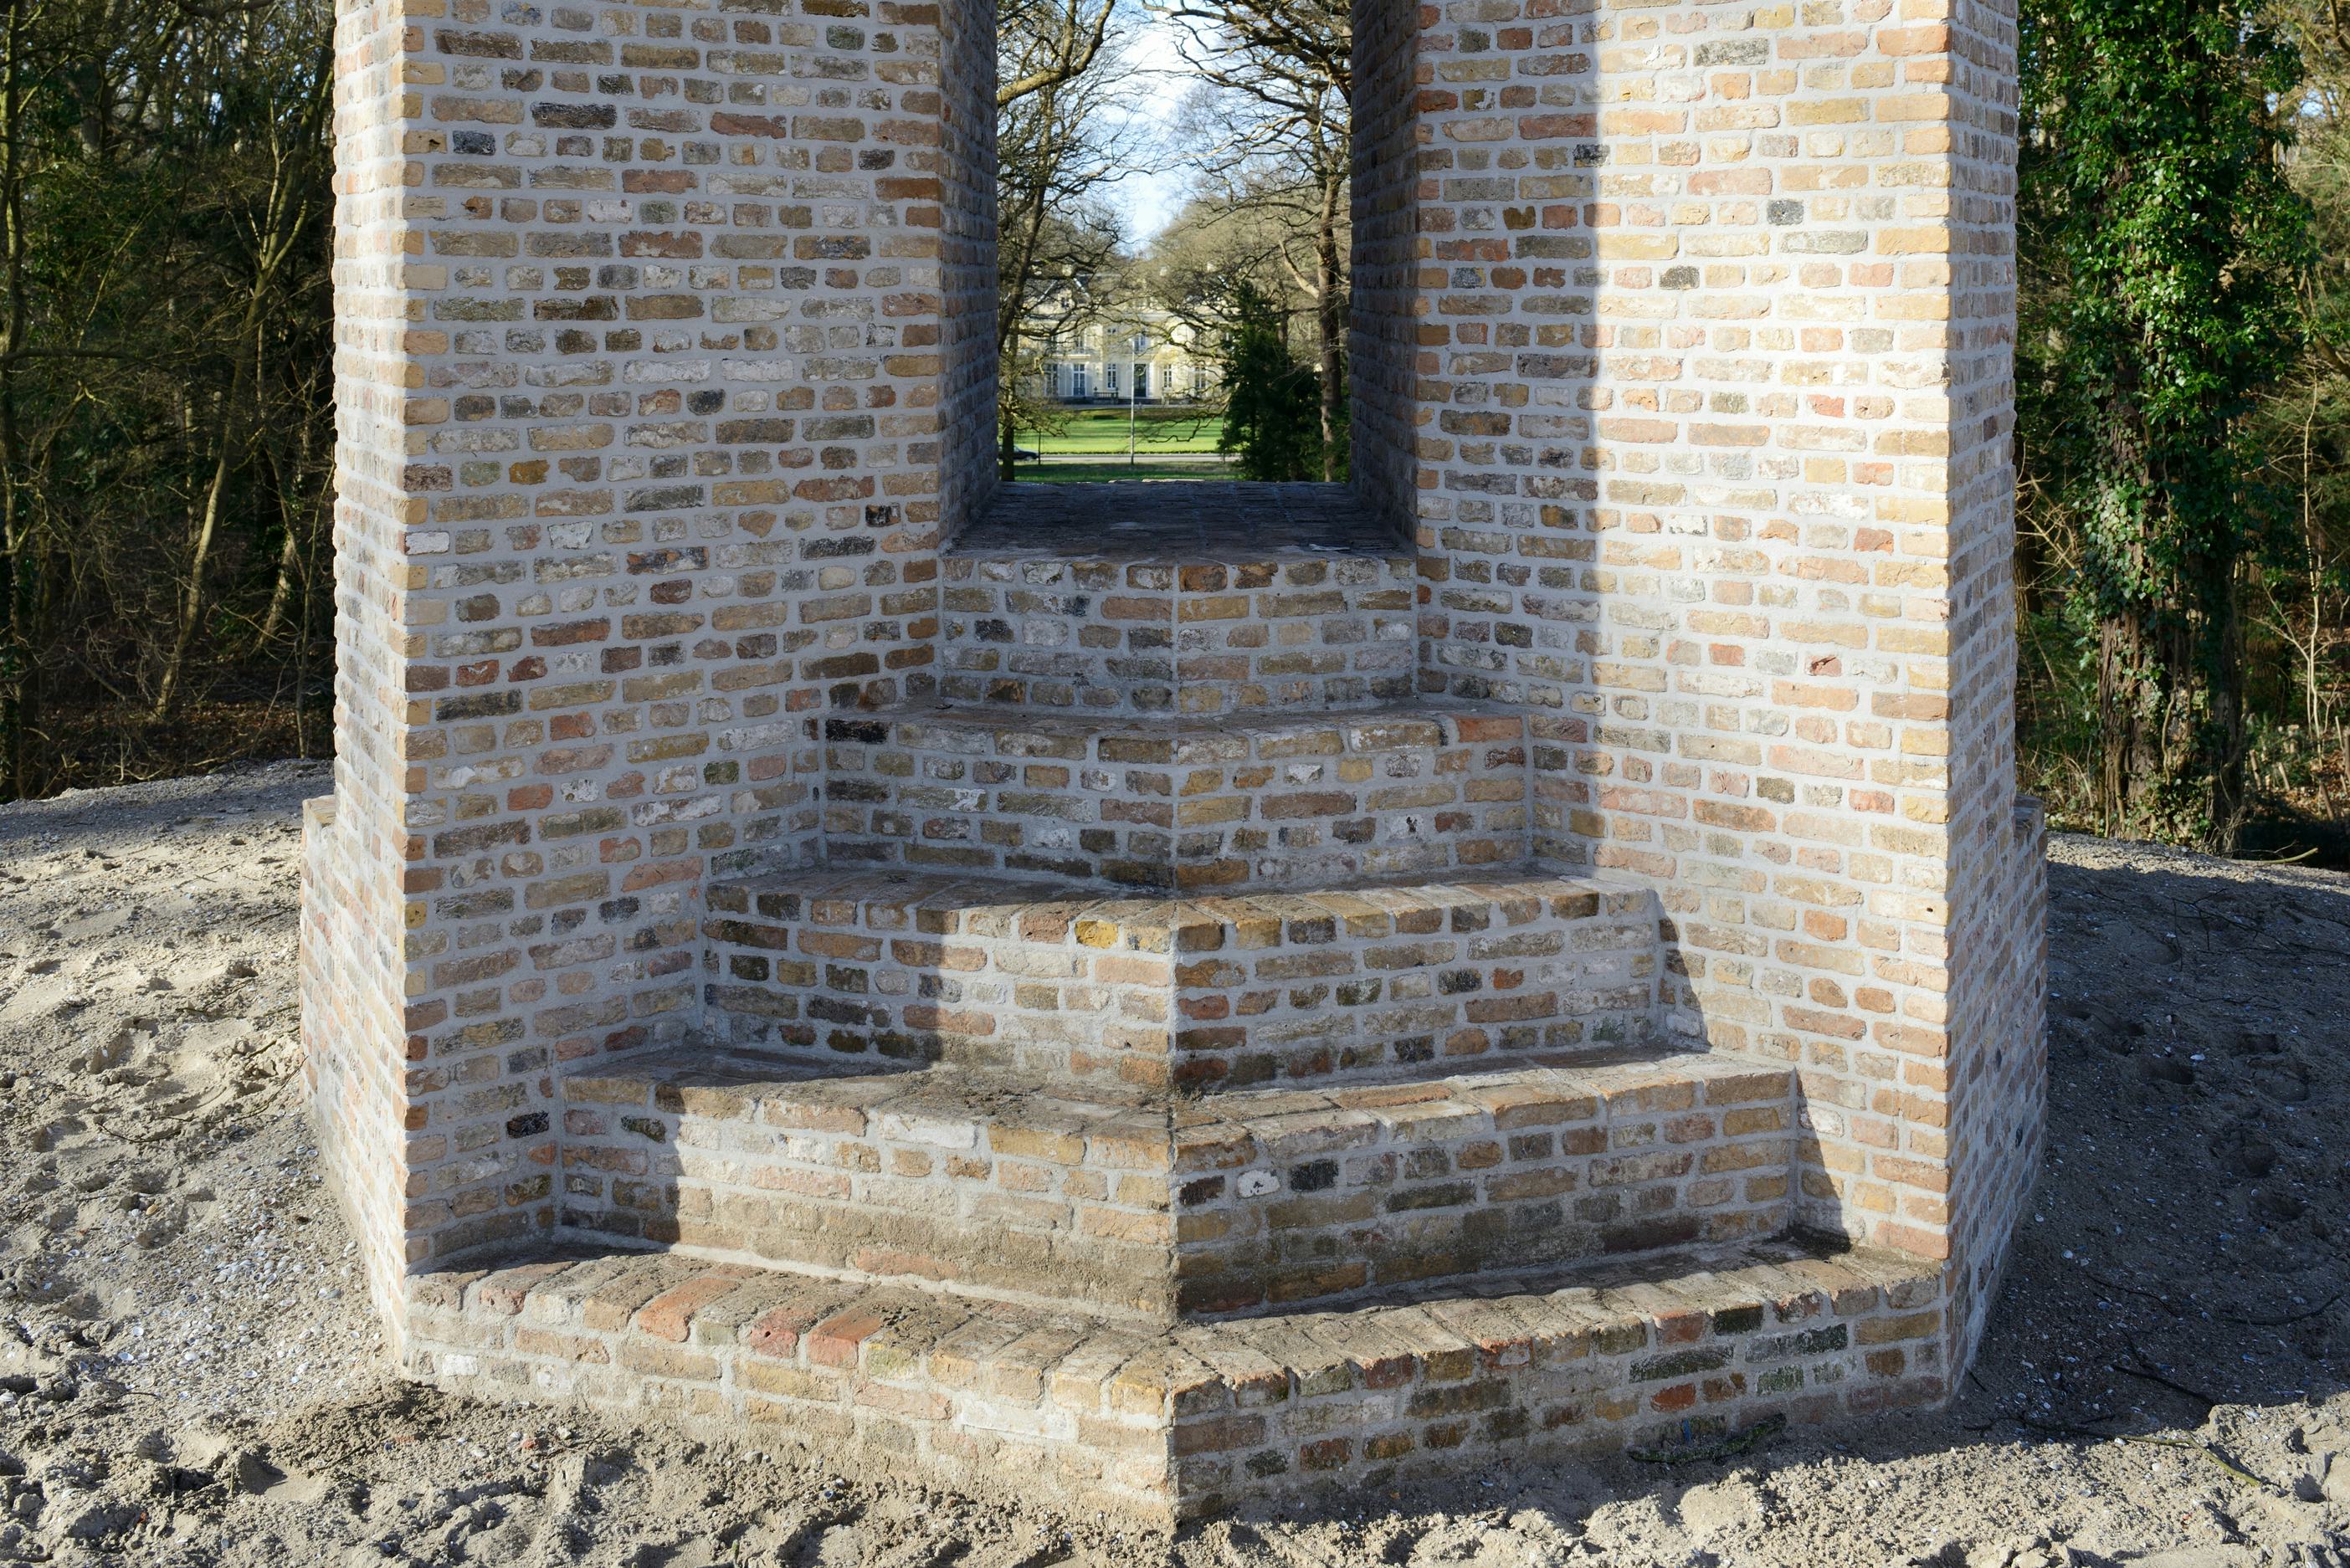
(271, 235)
(1274, 132)
(166, 353)
(1041, 43)
(1058, 148)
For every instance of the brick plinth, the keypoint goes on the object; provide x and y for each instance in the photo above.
(1121, 984)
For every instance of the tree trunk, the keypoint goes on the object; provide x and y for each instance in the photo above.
(2170, 714)
(281, 594)
(2125, 759)
(2315, 710)
(2221, 730)
(19, 679)
(191, 591)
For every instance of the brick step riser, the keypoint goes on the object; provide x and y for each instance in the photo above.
(1164, 638)
(1304, 1405)
(1238, 808)
(1201, 1418)
(1203, 994)
(1498, 1175)
(813, 1179)
(1296, 1199)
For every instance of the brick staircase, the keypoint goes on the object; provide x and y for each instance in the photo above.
(1175, 1079)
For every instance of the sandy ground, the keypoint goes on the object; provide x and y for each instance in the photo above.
(188, 1376)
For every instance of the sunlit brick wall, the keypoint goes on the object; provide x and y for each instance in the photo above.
(641, 383)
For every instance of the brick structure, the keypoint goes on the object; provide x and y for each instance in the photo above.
(1178, 994)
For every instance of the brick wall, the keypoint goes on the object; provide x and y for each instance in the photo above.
(1715, 378)
(354, 979)
(640, 371)
(967, 261)
(1115, 635)
(1998, 991)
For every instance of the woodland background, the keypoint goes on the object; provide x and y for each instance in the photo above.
(2183, 366)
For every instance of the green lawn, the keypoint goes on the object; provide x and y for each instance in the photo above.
(1078, 469)
(1095, 432)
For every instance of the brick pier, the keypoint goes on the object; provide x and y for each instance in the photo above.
(1178, 994)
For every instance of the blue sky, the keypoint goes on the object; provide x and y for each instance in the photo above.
(1148, 197)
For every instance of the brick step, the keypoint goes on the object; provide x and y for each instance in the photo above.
(1283, 801)
(1286, 1197)
(1093, 603)
(1166, 1207)
(1380, 981)
(939, 1174)
(1173, 1421)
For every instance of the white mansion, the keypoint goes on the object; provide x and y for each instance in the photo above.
(1147, 355)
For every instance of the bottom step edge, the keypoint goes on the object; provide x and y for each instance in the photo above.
(1164, 1424)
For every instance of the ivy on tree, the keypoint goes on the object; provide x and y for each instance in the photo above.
(2161, 245)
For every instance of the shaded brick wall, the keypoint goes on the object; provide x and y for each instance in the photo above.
(1382, 350)
(1996, 1069)
(967, 472)
(355, 989)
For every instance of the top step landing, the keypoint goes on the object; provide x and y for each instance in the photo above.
(1182, 521)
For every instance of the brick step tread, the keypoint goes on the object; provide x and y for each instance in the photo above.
(1181, 520)
(791, 1093)
(1178, 566)
(1138, 1202)
(946, 904)
(1376, 979)
(1158, 1421)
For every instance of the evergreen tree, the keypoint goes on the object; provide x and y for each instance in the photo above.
(1272, 418)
